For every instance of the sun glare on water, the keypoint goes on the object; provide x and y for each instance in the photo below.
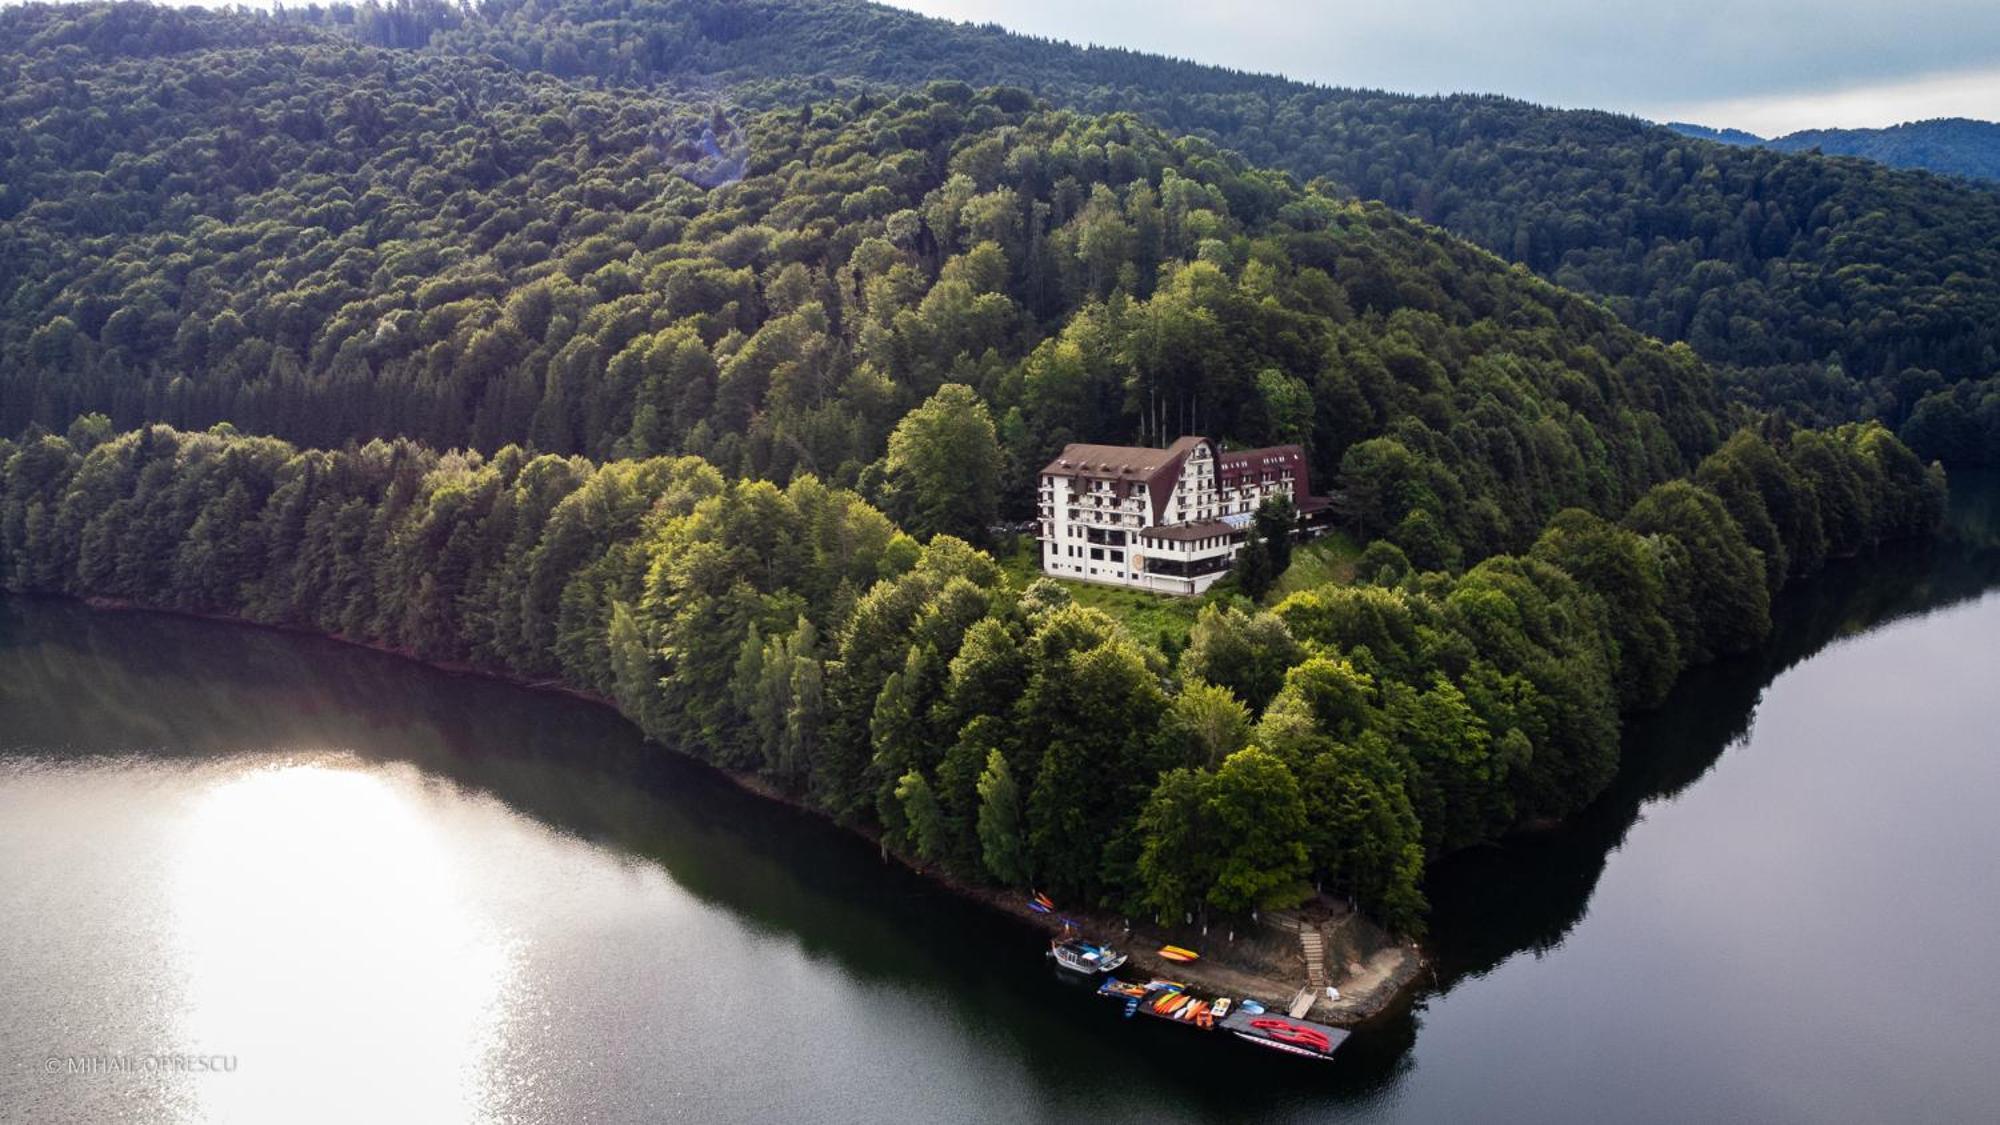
(330, 945)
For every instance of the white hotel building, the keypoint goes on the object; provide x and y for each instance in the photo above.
(1168, 520)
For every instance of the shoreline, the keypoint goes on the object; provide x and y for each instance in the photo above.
(1383, 985)
(1372, 985)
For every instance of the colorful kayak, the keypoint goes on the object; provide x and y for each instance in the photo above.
(1176, 953)
(1170, 1000)
(1244, 1019)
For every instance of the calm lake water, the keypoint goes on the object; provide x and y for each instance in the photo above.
(369, 891)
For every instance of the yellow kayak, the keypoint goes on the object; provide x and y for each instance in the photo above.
(1176, 953)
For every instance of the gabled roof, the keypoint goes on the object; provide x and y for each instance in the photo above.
(1158, 468)
(1271, 458)
(1161, 468)
(1130, 462)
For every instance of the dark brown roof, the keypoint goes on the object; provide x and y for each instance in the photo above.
(1159, 468)
(1238, 464)
(1100, 462)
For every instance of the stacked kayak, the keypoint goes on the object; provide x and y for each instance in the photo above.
(1175, 1003)
(1168, 1000)
(1247, 1020)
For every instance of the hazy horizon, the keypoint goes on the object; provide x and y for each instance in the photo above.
(1771, 67)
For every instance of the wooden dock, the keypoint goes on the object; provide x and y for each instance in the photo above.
(1303, 1002)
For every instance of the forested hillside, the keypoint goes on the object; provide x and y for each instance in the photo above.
(330, 243)
(1001, 733)
(1953, 146)
(400, 325)
(1752, 256)
(1842, 289)
(1869, 286)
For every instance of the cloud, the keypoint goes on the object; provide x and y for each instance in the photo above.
(1966, 93)
(1634, 56)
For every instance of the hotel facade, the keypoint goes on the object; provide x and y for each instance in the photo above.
(1167, 520)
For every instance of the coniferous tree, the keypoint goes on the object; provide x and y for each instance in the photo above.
(1000, 836)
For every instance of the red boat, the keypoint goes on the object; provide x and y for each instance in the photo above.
(1279, 1032)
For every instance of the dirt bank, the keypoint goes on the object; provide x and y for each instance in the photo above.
(1264, 960)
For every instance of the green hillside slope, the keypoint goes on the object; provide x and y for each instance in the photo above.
(331, 243)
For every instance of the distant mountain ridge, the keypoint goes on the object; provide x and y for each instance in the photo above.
(1953, 146)
(1723, 136)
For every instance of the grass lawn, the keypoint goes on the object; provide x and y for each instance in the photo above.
(1148, 617)
(1326, 561)
(1145, 616)
(1329, 560)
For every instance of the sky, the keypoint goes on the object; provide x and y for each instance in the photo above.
(1768, 66)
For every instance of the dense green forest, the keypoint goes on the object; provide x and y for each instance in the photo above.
(1955, 146)
(335, 242)
(1751, 255)
(1756, 257)
(1859, 279)
(999, 732)
(459, 332)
